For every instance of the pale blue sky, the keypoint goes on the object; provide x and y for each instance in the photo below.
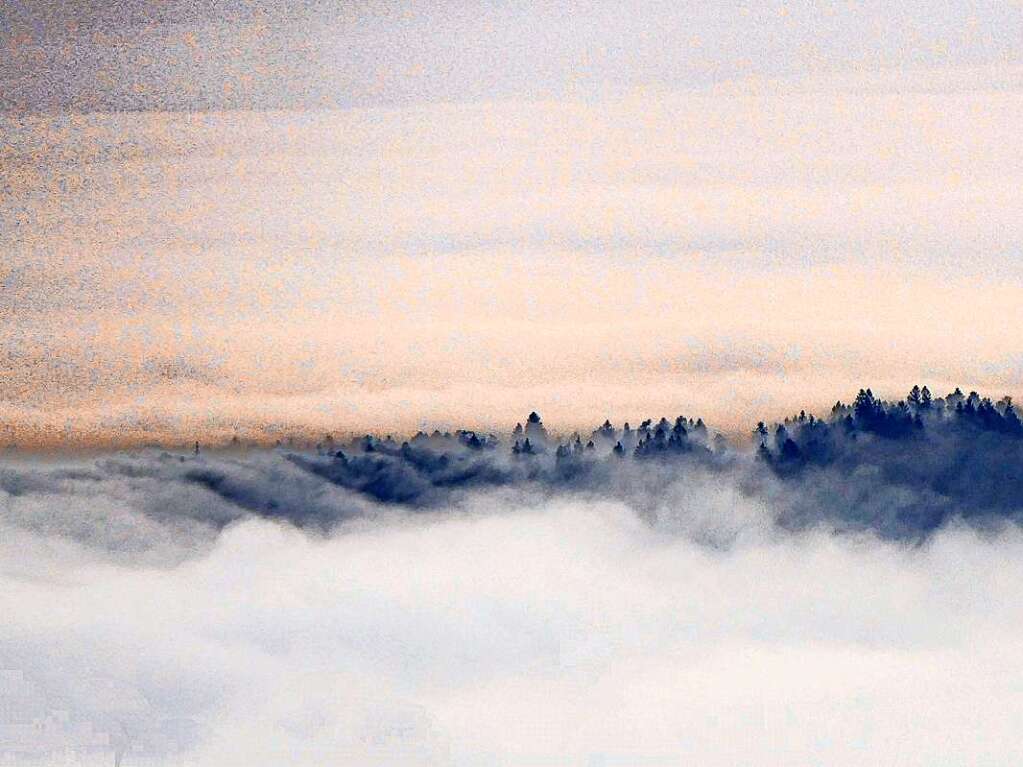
(132, 54)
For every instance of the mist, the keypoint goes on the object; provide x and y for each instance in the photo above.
(372, 603)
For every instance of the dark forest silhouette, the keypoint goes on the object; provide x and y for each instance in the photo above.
(901, 467)
(898, 469)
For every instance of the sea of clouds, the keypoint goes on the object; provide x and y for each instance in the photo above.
(147, 619)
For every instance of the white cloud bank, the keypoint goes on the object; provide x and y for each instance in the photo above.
(524, 633)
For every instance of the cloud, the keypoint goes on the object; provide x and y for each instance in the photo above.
(270, 54)
(449, 601)
(193, 275)
(519, 628)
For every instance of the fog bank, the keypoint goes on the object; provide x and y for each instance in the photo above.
(506, 626)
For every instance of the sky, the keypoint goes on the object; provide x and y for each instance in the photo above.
(261, 219)
(269, 219)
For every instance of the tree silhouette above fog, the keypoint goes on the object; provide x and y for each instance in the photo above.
(901, 468)
(912, 463)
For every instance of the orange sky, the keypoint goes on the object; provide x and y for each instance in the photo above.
(738, 252)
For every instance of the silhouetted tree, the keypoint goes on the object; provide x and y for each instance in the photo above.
(760, 433)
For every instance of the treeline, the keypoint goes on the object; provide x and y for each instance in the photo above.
(898, 469)
(805, 439)
(426, 469)
(649, 439)
(902, 468)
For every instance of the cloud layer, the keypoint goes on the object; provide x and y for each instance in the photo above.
(742, 248)
(557, 632)
(313, 54)
(452, 602)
